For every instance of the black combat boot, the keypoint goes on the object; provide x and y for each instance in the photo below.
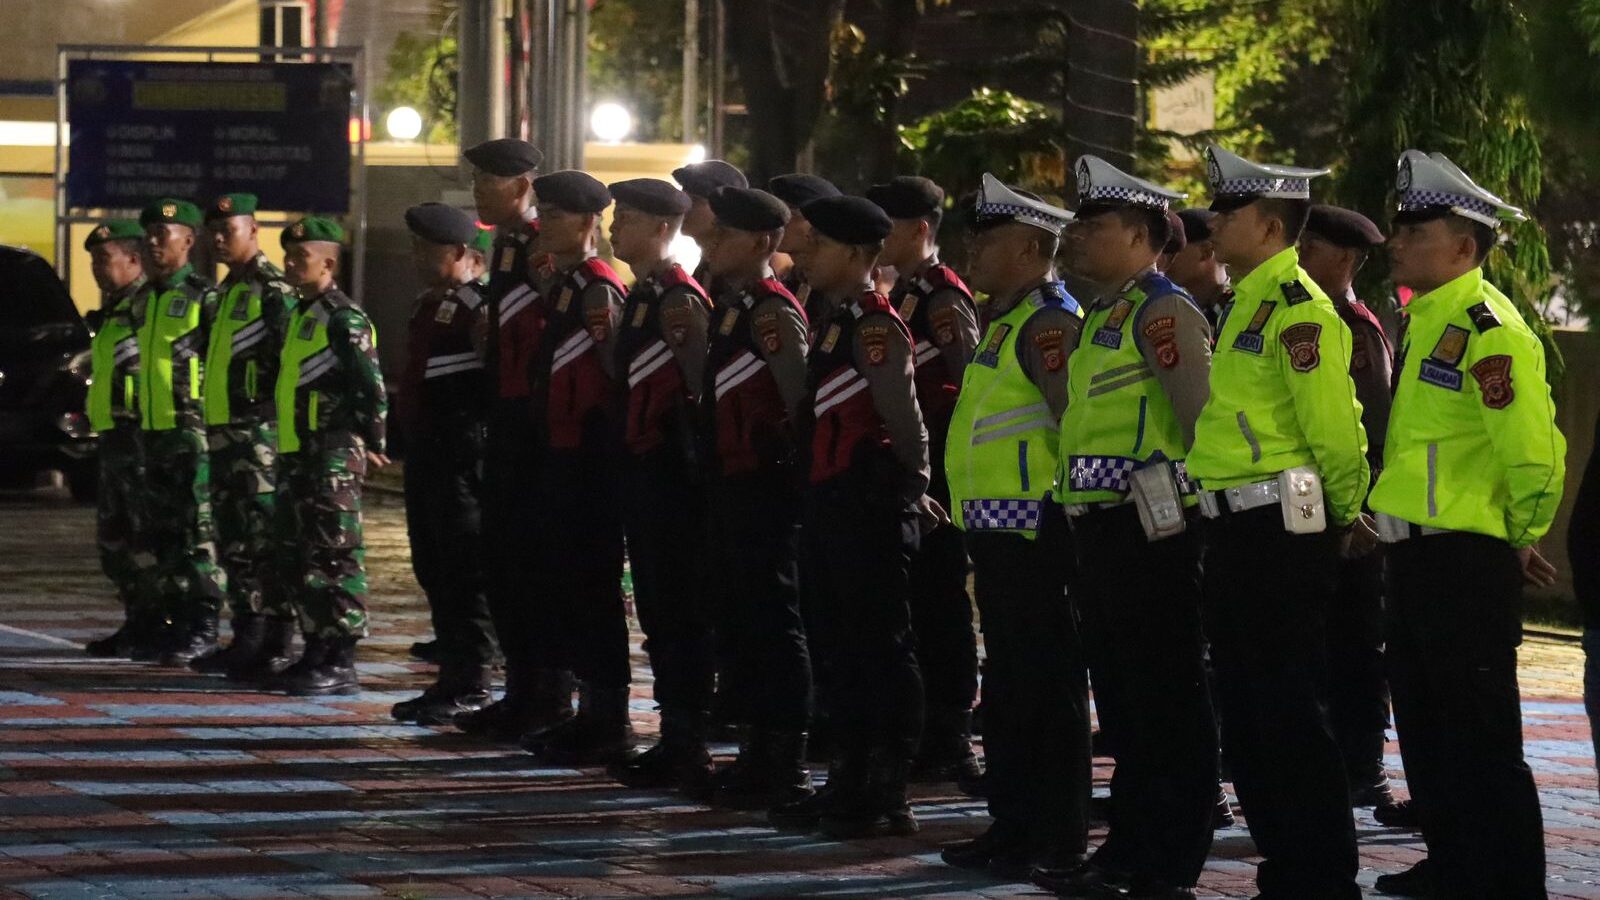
(189, 638)
(847, 775)
(678, 760)
(1222, 813)
(459, 689)
(271, 655)
(334, 673)
(1416, 881)
(600, 734)
(1363, 759)
(1002, 847)
(1399, 814)
(880, 807)
(946, 751)
(248, 629)
(140, 632)
(425, 651)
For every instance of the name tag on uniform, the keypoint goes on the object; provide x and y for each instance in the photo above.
(990, 354)
(1250, 340)
(179, 307)
(1107, 337)
(639, 314)
(447, 311)
(829, 339)
(565, 300)
(1440, 368)
(908, 306)
(507, 259)
(1434, 372)
(308, 328)
(726, 328)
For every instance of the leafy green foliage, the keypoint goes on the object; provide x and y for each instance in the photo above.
(422, 75)
(991, 131)
(635, 57)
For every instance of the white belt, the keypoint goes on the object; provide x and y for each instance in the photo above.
(1393, 530)
(1239, 499)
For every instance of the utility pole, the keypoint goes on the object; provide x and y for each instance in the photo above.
(691, 68)
(481, 90)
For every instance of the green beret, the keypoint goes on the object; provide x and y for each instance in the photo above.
(113, 230)
(312, 228)
(483, 241)
(229, 205)
(169, 210)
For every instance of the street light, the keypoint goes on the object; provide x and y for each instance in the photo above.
(611, 122)
(403, 123)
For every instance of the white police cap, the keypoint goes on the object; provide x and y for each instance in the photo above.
(1100, 182)
(1431, 183)
(1233, 176)
(998, 203)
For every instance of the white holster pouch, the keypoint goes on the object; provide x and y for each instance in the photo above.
(1300, 498)
(1155, 493)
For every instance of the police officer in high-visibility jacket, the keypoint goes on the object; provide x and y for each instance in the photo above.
(174, 313)
(1001, 461)
(242, 429)
(331, 405)
(441, 404)
(1279, 453)
(937, 306)
(865, 508)
(1473, 472)
(1137, 386)
(113, 410)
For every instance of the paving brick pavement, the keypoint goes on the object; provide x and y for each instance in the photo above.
(123, 780)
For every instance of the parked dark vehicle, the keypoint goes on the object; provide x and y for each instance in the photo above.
(44, 377)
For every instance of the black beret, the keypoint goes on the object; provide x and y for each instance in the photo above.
(1176, 238)
(1344, 227)
(506, 157)
(652, 196)
(907, 197)
(797, 189)
(441, 224)
(748, 209)
(848, 220)
(573, 191)
(1196, 224)
(701, 178)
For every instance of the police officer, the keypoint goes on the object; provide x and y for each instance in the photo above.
(937, 307)
(442, 406)
(1280, 456)
(578, 501)
(1333, 248)
(661, 354)
(755, 380)
(796, 190)
(174, 313)
(1195, 267)
(866, 505)
(113, 410)
(331, 405)
(700, 180)
(536, 693)
(1472, 476)
(1136, 387)
(1001, 460)
(241, 429)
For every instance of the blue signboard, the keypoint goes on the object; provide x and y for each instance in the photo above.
(142, 130)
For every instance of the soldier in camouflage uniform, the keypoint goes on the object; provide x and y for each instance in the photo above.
(173, 314)
(242, 430)
(331, 404)
(114, 414)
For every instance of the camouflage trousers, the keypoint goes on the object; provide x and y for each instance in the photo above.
(243, 479)
(176, 545)
(117, 516)
(322, 557)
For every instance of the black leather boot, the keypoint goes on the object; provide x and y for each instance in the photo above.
(1363, 759)
(847, 774)
(271, 655)
(600, 734)
(138, 630)
(1416, 881)
(333, 674)
(946, 750)
(188, 639)
(879, 807)
(458, 690)
(678, 760)
(248, 629)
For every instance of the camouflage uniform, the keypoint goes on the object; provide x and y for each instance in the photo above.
(331, 407)
(115, 416)
(176, 546)
(242, 368)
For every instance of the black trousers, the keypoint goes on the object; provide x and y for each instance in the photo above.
(511, 538)
(941, 610)
(580, 518)
(1358, 689)
(444, 525)
(665, 515)
(754, 579)
(1454, 627)
(863, 554)
(1149, 673)
(1035, 687)
(1266, 602)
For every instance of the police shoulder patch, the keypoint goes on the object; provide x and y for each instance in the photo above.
(1294, 293)
(1493, 374)
(1483, 318)
(1301, 341)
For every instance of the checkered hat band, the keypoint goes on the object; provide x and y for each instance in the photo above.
(1125, 195)
(1110, 473)
(1280, 187)
(1423, 199)
(1001, 515)
(1021, 213)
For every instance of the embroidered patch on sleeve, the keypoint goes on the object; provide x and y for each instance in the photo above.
(1162, 333)
(944, 325)
(599, 322)
(769, 332)
(446, 312)
(675, 321)
(1049, 341)
(875, 343)
(1301, 342)
(1494, 380)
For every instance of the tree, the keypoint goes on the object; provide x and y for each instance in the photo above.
(781, 51)
(636, 58)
